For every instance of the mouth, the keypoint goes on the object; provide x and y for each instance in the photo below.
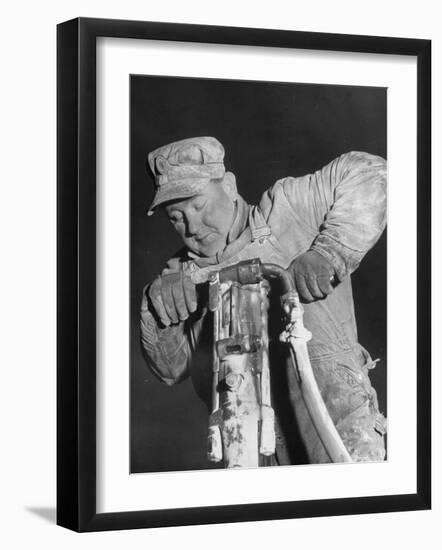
(203, 237)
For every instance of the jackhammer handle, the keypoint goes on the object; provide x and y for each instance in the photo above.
(249, 272)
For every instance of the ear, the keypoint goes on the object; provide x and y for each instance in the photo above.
(229, 185)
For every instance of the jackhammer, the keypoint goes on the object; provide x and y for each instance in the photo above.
(242, 419)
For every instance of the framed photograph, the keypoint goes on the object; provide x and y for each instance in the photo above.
(236, 339)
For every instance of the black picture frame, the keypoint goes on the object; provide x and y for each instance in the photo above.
(76, 274)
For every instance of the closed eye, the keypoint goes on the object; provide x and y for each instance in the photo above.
(199, 205)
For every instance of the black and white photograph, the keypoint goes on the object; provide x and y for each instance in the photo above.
(258, 215)
(220, 297)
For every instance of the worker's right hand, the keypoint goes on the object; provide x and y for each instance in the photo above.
(173, 296)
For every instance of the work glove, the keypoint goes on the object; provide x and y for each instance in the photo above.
(314, 276)
(172, 295)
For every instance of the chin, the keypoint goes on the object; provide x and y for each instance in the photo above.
(209, 251)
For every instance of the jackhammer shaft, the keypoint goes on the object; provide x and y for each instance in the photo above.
(241, 396)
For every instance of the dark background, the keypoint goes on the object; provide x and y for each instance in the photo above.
(269, 131)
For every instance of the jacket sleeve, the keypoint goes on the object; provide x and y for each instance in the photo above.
(346, 202)
(168, 350)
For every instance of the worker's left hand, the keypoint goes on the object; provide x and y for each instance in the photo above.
(313, 276)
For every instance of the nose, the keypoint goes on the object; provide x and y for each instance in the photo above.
(193, 223)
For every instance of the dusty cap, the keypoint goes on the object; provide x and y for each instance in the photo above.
(183, 168)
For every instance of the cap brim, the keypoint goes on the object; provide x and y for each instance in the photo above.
(175, 191)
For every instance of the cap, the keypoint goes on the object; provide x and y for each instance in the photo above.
(183, 168)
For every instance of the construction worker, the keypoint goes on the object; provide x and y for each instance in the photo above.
(319, 227)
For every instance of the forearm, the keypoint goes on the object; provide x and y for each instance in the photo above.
(357, 215)
(166, 350)
(344, 204)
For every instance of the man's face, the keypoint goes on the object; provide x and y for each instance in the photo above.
(204, 220)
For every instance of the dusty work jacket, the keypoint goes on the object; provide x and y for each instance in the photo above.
(340, 212)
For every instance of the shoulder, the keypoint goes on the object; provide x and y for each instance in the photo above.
(277, 192)
(354, 160)
(273, 196)
(280, 194)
